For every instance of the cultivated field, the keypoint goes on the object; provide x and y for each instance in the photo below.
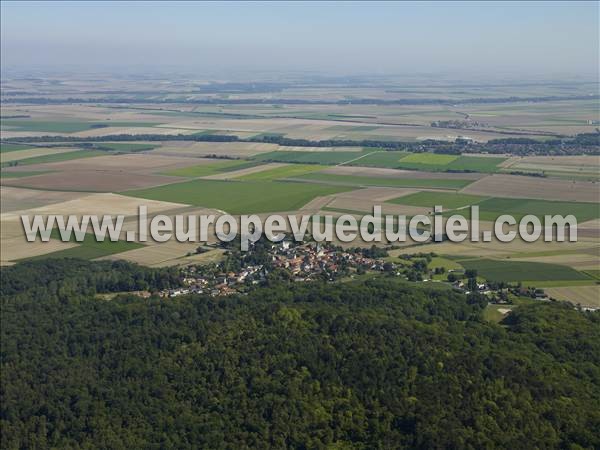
(174, 175)
(407, 181)
(586, 296)
(500, 270)
(532, 187)
(360, 171)
(237, 197)
(31, 153)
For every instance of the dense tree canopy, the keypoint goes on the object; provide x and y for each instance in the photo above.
(370, 364)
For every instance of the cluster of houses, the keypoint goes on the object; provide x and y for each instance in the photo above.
(308, 261)
(304, 262)
(216, 283)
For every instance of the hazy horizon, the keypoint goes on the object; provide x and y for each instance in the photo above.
(528, 40)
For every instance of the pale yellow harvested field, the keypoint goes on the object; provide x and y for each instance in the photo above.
(579, 261)
(582, 170)
(111, 173)
(242, 172)
(91, 181)
(31, 153)
(561, 128)
(99, 204)
(516, 186)
(367, 207)
(157, 254)
(398, 173)
(316, 204)
(422, 133)
(13, 198)
(510, 161)
(593, 224)
(504, 250)
(199, 149)
(283, 148)
(128, 163)
(579, 164)
(10, 227)
(8, 134)
(220, 124)
(131, 223)
(376, 194)
(587, 296)
(17, 248)
(14, 246)
(210, 257)
(317, 132)
(110, 131)
(575, 160)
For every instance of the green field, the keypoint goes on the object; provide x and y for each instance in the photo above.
(213, 168)
(388, 159)
(89, 248)
(292, 170)
(514, 271)
(6, 148)
(327, 158)
(476, 163)
(428, 158)
(21, 174)
(491, 208)
(66, 126)
(444, 163)
(383, 159)
(367, 157)
(239, 197)
(447, 264)
(57, 157)
(386, 182)
(447, 200)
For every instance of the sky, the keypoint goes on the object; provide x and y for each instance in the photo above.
(538, 39)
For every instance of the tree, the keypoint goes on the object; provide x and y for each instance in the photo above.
(471, 273)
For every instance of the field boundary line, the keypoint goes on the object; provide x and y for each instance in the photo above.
(356, 159)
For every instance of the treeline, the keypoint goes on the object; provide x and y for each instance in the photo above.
(585, 143)
(79, 277)
(290, 101)
(359, 365)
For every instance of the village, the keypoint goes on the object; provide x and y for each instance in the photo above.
(311, 261)
(298, 262)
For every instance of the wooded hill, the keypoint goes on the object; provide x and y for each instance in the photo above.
(361, 365)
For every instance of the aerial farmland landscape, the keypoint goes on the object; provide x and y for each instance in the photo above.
(258, 342)
(299, 145)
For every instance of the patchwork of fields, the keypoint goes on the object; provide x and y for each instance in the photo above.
(389, 159)
(490, 208)
(171, 174)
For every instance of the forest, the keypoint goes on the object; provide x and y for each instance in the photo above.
(365, 364)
